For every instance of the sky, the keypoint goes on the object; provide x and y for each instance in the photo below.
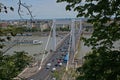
(41, 9)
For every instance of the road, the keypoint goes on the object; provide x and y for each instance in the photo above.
(45, 74)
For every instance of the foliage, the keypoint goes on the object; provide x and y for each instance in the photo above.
(104, 61)
(15, 30)
(4, 8)
(11, 65)
(21, 60)
(63, 28)
(46, 30)
(11, 31)
(21, 5)
(34, 29)
(58, 73)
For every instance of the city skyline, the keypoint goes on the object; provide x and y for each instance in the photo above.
(44, 9)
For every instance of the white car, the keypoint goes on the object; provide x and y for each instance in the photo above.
(53, 78)
(48, 65)
(60, 64)
(53, 69)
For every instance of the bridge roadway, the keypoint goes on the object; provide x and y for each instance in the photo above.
(45, 74)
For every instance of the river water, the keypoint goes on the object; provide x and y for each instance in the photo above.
(83, 50)
(31, 48)
(39, 49)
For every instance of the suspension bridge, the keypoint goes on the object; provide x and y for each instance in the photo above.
(67, 46)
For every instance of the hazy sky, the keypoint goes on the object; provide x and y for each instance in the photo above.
(41, 9)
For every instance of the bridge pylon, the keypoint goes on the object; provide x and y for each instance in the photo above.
(73, 35)
(64, 22)
(54, 35)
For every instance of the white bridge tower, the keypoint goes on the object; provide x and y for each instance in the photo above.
(72, 33)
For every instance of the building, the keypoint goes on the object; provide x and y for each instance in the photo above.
(4, 25)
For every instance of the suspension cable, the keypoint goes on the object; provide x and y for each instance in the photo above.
(43, 57)
(49, 37)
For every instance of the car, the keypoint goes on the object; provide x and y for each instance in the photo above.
(53, 69)
(60, 64)
(59, 60)
(48, 65)
(56, 65)
(53, 78)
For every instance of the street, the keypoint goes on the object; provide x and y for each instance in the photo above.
(44, 73)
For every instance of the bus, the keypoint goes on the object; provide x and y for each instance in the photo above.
(66, 58)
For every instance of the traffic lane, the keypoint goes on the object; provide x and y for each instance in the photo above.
(60, 55)
(54, 61)
(38, 76)
(57, 66)
(42, 73)
(65, 50)
(45, 72)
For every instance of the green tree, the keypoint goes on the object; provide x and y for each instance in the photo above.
(64, 28)
(21, 60)
(104, 61)
(11, 65)
(46, 30)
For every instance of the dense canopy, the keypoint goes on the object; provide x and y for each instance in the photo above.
(104, 61)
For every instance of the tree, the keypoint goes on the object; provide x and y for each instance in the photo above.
(104, 61)
(4, 8)
(11, 65)
(21, 60)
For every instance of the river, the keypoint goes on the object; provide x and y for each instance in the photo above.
(83, 50)
(32, 49)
